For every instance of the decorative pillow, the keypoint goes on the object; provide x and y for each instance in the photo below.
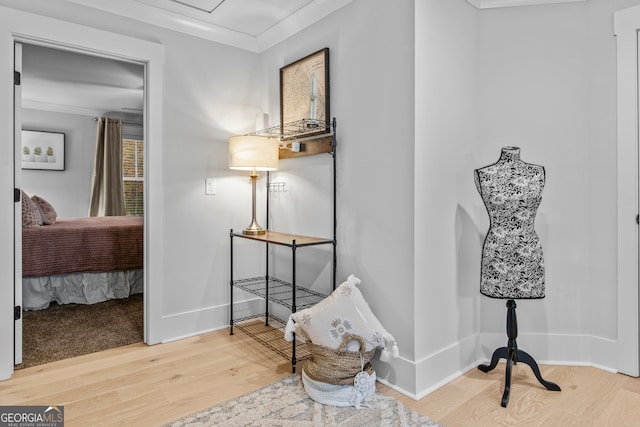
(343, 312)
(48, 213)
(30, 213)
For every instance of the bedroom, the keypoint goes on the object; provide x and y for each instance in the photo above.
(63, 93)
(485, 83)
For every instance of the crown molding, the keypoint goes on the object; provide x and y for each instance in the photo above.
(166, 19)
(304, 17)
(492, 4)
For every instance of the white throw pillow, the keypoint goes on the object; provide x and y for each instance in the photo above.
(343, 312)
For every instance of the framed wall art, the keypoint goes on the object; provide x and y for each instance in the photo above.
(304, 90)
(42, 150)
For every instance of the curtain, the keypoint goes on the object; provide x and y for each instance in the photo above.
(107, 194)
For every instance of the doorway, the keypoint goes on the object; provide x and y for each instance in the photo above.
(71, 312)
(19, 27)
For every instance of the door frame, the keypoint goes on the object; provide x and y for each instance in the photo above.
(626, 28)
(17, 26)
(17, 253)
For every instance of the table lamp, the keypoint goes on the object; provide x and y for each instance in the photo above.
(254, 154)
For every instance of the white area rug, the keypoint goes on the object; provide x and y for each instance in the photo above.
(285, 403)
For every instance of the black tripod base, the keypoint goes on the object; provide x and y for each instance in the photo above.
(513, 355)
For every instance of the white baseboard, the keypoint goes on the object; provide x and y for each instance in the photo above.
(190, 323)
(560, 349)
(420, 378)
(425, 376)
(433, 371)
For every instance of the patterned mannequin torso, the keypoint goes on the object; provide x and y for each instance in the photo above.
(512, 264)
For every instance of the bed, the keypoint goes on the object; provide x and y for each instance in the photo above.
(82, 261)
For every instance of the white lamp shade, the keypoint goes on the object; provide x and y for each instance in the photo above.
(253, 152)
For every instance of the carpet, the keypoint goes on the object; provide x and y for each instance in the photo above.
(70, 330)
(285, 403)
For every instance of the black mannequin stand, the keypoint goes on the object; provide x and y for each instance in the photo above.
(513, 355)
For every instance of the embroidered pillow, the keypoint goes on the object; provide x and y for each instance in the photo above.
(343, 312)
(30, 213)
(48, 213)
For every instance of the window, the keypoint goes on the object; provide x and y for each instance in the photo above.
(133, 176)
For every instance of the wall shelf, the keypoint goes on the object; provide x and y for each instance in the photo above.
(313, 136)
(297, 130)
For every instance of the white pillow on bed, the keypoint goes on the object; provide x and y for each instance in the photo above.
(47, 212)
(31, 216)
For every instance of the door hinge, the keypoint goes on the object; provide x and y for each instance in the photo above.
(16, 195)
(637, 219)
(17, 312)
(16, 78)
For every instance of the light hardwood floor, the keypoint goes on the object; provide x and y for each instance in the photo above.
(140, 385)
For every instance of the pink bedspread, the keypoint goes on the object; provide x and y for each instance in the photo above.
(83, 244)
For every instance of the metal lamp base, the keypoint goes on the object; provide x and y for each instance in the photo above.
(253, 229)
(252, 232)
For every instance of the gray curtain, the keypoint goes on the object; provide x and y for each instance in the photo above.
(107, 194)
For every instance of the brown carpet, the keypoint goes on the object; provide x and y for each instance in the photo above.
(64, 331)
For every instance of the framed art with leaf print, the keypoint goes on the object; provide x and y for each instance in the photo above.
(42, 150)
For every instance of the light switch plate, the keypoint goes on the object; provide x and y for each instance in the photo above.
(210, 186)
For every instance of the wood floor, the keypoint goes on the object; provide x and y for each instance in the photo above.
(140, 385)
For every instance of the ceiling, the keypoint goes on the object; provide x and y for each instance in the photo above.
(254, 25)
(70, 82)
(56, 80)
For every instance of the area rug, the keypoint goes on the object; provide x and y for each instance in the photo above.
(285, 403)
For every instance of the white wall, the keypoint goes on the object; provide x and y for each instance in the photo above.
(542, 78)
(371, 72)
(68, 190)
(212, 93)
(533, 82)
(602, 132)
(548, 82)
(448, 241)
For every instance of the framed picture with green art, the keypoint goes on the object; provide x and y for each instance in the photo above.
(42, 150)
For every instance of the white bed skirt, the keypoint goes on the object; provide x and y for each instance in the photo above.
(80, 288)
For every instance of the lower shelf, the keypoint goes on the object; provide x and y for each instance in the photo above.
(280, 292)
(272, 336)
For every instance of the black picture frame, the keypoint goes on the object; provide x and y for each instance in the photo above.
(304, 91)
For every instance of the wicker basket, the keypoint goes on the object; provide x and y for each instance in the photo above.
(338, 366)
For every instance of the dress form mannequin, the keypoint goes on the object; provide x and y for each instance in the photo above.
(512, 263)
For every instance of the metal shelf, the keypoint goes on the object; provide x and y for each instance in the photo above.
(271, 334)
(296, 130)
(315, 137)
(280, 292)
